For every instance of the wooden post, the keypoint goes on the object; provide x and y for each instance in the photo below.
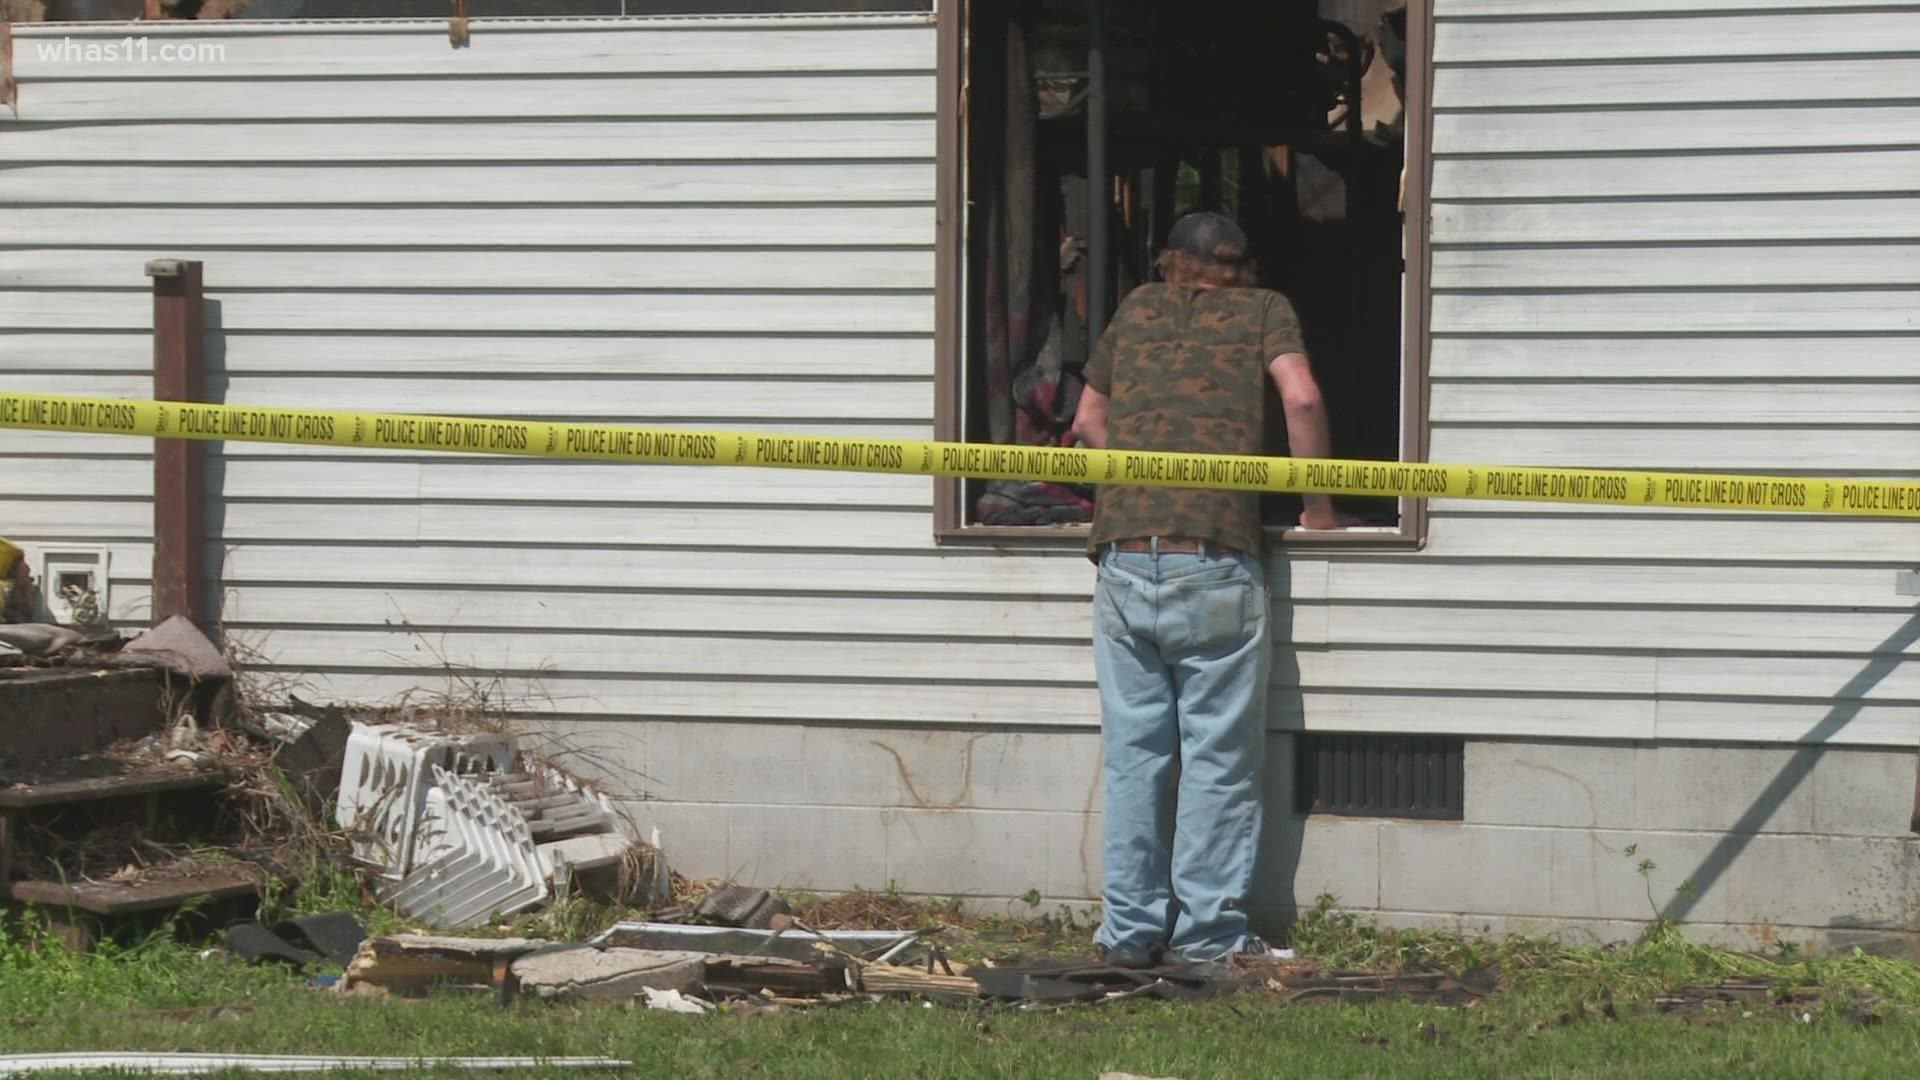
(179, 465)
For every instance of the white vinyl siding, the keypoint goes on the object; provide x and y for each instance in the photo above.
(1667, 235)
(1662, 238)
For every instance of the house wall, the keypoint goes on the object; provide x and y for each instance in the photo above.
(1657, 243)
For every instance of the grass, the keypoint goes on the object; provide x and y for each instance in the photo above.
(108, 1002)
(156, 993)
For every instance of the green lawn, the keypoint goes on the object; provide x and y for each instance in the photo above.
(50, 1001)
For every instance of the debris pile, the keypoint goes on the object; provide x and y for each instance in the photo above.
(695, 968)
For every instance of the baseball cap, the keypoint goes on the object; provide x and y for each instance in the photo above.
(1203, 233)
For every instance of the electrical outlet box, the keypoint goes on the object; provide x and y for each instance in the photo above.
(1907, 583)
(72, 583)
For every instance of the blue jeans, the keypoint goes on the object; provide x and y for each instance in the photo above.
(1181, 650)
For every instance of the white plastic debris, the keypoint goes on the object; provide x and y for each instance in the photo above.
(384, 782)
(1280, 954)
(675, 1002)
(478, 859)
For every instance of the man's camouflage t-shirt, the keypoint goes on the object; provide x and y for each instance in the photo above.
(1185, 369)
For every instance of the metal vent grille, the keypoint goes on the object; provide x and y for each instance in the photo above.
(1406, 776)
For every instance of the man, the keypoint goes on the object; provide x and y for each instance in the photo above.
(1181, 641)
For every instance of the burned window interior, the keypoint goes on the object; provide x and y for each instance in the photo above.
(1286, 116)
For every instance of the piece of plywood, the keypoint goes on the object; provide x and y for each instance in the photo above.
(131, 784)
(108, 898)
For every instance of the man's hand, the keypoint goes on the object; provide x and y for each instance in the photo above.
(1324, 518)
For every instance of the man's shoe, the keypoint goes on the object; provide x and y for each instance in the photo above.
(1126, 958)
(1225, 965)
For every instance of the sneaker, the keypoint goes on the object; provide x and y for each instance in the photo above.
(1224, 964)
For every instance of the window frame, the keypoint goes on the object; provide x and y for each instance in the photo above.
(950, 525)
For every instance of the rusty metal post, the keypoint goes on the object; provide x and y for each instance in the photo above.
(179, 465)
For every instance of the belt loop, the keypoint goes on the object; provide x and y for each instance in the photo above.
(1201, 547)
(1153, 545)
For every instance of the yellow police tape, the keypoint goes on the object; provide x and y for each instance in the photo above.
(913, 457)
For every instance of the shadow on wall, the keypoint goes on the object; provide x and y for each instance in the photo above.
(1283, 831)
(1847, 700)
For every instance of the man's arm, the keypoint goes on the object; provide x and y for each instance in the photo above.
(1090, 419)
(1307, 433)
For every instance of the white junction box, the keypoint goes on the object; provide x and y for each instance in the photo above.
(65, 578)
(1907, 583)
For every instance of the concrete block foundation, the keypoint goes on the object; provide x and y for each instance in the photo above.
(1748, 845)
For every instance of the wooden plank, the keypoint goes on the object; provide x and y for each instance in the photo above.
(1700, 35)
(129, 785)
(564, 47)
(605, 98)
(1758, 449)
(700, 183)
(1715, 267)
(1868, 172)
(750, 228)
(348, 604)
(1843, 724)
(1783, 80)
(769, 139)
(105, 898)
(1830, 682)
(1678, 537)
(47, 356)
(1784, 632)
(1517, 581)
(1672, 130)
(1756, 403)
(1491, 356)
(1672, 222)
